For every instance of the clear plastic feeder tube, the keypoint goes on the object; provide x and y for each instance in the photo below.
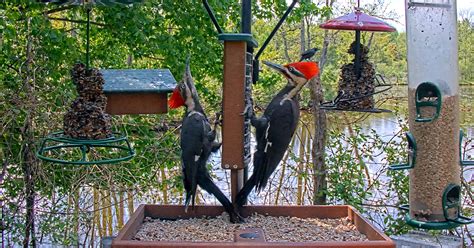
(433, 93)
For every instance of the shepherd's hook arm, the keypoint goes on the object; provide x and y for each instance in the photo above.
(283, 18)
(212, 16)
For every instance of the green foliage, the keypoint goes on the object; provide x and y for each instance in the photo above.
(466, 51)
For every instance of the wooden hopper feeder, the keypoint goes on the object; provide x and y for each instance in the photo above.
(137, 91)
(357, 93)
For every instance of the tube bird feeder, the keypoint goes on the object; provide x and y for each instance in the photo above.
(433, 103)
(358, 80)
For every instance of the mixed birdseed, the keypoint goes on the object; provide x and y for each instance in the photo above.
(219, 229)
(437, 161)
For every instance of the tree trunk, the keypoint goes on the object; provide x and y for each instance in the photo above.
(319, 143)
(28, 154)
(285, 45)
(130, 202)
(300, 169)
(129, 60)
(164, 185)
(320, 123)
(371, 39)
(302, 37)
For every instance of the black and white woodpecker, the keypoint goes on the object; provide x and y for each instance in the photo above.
(197, 144)
(277, 125)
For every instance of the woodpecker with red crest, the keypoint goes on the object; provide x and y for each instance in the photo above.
(197, 143)
(277, 125)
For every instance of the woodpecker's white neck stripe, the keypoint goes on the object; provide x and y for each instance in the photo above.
(190, 113)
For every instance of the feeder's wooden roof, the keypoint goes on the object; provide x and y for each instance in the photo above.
(358, 21)
(138, 81)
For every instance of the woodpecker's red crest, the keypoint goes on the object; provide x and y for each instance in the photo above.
(308, 68)
(176, 100)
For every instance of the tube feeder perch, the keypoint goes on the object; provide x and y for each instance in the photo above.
(359, 82)
(410, 164)
(433, 103)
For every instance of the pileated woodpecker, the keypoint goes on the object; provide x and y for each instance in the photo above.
(197, 143)
(277, 125)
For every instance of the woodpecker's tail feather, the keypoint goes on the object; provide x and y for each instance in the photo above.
(259, 163)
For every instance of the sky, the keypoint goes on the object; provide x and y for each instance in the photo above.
(399, 7)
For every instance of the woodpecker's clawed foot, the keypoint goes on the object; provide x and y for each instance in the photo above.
(236, 218)
(218, 119)
(248, 112)
(215, 146)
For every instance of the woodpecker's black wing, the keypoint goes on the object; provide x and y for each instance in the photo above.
(273, 134)
(195, 146)
(274, 139)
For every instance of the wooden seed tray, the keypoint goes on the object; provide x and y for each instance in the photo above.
(375, 236)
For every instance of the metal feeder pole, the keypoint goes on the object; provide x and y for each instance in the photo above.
(247, 29)
(247, 17)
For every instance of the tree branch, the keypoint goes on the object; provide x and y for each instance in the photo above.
(51, 11)
(76, 21)
(4, 171)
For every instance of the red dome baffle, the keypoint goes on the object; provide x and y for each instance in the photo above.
(358, 21)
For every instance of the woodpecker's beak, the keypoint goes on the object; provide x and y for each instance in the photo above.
(275, 66)
(283, 69)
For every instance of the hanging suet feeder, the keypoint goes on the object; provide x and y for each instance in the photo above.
(87, 137)
(359, 82)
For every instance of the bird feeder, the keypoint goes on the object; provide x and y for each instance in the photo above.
(87, 137)
(137, 91)
(433, 103)
(359, 82)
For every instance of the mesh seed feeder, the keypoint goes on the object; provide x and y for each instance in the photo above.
(434, 150)
(359, 82)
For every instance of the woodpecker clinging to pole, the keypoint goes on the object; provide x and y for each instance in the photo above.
(197, 143)
(277, 125)
(306, 55)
